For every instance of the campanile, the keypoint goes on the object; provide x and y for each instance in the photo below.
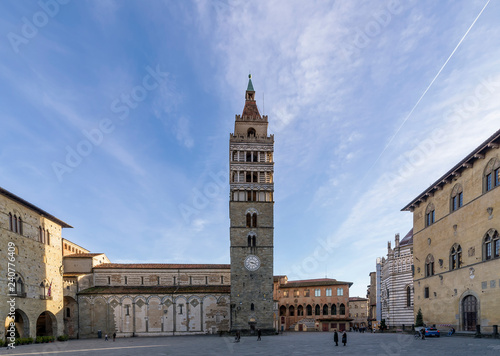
(251, 207)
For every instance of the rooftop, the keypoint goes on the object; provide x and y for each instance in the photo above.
(157, 289)
(83, 255)
(36, 209)
(314, 282)
(492, 142)
(160, 266)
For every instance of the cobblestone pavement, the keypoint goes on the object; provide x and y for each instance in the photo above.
(288, 344)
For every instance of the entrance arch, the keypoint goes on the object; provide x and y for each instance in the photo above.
(22, 324)
(46, 324)
(470, 313)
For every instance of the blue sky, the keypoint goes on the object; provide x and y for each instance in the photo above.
(116, 119)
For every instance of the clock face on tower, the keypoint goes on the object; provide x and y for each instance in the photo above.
(252, 263)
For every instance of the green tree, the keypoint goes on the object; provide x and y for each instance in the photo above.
(420, 319)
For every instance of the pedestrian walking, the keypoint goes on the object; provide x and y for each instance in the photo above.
(259, 334)
(106, 337)
(344, 338)
(336, 338)
(114, 336)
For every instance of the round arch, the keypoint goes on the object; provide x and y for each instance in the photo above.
(469, 310)
(22, 324)
(46, 324)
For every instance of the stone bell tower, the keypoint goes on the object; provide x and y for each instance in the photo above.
(251, 206)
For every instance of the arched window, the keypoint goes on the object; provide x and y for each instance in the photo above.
(491, 178)
(252, 239)
(19, 286)
(491, 245)
(291, 310)
(342, 309)
(457, 198)
(325, 309)
(334, 309)
(11, 225)
(317, 310)
(254, 220)
(249, 220)
(300, 310)
(20, 225)
(408, 296)
(15, 223)
(455, 257)
(282, 310)
(309, 309)
(430, 215)
(251, 132)
(252, 306)
(429, 266)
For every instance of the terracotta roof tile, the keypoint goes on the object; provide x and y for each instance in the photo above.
(408, 239)
(314, 282)
(226, 289)
(160, 266)
(80, 255)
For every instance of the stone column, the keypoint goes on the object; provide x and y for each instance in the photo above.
(174, 316)
(147, 317)
(133, 318)
(201, 315)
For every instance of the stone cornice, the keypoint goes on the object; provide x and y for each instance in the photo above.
(252, 168)
(245, 146)
(252, 186)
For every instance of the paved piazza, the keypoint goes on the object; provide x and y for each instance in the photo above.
(288, 344)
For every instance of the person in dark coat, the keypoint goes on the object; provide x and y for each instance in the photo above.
(344, 338)
(259, 334)
(336, 338)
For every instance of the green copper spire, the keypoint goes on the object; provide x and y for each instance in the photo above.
(250, 85)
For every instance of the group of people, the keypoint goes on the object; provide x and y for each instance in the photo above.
(336, 338)
(106, 337)
(237, 337)
(360, 329)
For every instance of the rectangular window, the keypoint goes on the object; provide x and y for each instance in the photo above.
(221, 279)
(190, 280)
(296, 293)
(497, 177)
(125, 279)
(307, 293)
(142, 280)
(497, 247)
(460, 200)
(285, 294)
(175, 280)
(317, 292)
(109, 280)
(426, 292)
(488, 182)
(328, 292)
(340, 292)
(127, 310)
(158, 280)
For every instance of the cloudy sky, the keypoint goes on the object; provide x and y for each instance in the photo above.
(115, 117)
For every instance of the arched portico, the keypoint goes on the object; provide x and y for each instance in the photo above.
(46, 324)
(21, 324)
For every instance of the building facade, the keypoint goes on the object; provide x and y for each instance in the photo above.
(456, 226)
(318, 304)
(358, 312)
(251, 215)
(153, 300)
(371, 294)
(397, 283)
(31, 274)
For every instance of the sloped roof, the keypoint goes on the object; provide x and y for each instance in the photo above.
(313, 282)
(160, 266)
(157, 289)
(82, 255)
(408, 239)
(478, 153)
(36, 209)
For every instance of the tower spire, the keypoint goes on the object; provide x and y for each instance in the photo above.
(250, 85)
